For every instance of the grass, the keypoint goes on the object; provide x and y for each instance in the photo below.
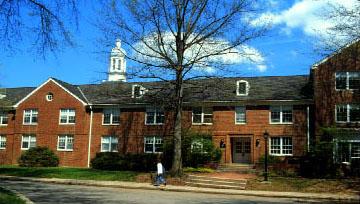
(68, 173)
(297, 184)
(198, 170)
(7, 197)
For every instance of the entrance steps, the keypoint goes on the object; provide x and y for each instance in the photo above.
(239, 168)
(215, 182)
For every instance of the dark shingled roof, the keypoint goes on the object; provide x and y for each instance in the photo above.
(14, 95)
(212, 89)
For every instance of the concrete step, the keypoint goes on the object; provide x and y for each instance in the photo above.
(215, 182)
(241, 168)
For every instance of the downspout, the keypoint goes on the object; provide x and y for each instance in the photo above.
(90, 135)
(308, 127)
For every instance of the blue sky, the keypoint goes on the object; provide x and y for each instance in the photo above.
(286, 50)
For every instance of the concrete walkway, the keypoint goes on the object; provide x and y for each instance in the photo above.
(134, 185)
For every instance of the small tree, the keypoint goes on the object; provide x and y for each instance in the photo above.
(38, 157)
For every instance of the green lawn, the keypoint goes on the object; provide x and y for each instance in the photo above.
(7, 197)
(68, 173)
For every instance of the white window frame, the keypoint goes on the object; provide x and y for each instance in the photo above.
(4, 115)
(247, 87)
(243, 108)
(49, 96)
(281, 107)
(154, 140)
(2, 141)
(68, 138)
(29, 138)
(281, 146)
(202, 116)
(348, 108)
(347, 80)
(111, 139)
(67, 114)
(156, 112)
(142, 91)
(31, 113)
(112, 114)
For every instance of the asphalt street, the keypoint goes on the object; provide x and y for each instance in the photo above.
(55, 193)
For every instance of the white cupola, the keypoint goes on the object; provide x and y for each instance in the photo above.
(117, 68)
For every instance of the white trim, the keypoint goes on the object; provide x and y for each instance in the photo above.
(143, 90)
(66, 142)
(281, 146)
(31, 116)
(348, 108)
(67, 116)
(156, 110)
(281, 115)
(247, 87)
(29, 141)
(111, 117)
(43, 84)
(3, 136)
(241, 123)
(3, 115)
(90, 136)
(153, 144)
(111, 138)
(202, 115)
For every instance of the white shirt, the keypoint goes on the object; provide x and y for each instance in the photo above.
(159, 168)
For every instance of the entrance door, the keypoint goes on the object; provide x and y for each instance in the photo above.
(241, 149)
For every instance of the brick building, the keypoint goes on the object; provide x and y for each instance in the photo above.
(77, 121)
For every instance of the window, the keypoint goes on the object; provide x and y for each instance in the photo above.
(202, 115)
(154, 116)
(3, 118)
(109, 144)
(113, 63)
(153, 144)
(197, 145)
(347, 80)
(28, 141)
(281, 146)
(240, 115)
(348, 150)
(2, 141)
(137, 91)
(347, 113)
(65, 142)
(242, 88)
(30, 116)
(67, 116)
(111, 116)
(281, 114)
(49, 96)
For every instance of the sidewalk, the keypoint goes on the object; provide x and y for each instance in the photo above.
(133, 185)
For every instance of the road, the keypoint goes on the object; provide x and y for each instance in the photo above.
(54, 193)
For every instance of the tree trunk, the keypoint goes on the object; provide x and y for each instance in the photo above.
(176, 168)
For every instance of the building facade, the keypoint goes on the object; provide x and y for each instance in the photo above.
(77, 121)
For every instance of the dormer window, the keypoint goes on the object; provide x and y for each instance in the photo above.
(138, 91)
(242, 88)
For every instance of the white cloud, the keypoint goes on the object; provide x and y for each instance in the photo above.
(307, 15)
(239, 55)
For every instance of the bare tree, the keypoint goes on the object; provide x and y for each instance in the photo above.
(180, 40)
(345, 26)
(45, 24)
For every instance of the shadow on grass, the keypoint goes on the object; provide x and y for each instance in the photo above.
(68, 173)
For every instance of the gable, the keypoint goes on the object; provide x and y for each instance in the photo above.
(49, 81)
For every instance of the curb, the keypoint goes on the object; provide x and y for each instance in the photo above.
(19, 195)
(147, 186)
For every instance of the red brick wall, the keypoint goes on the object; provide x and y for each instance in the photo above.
(132, 128)
(48, 127)
(325, 95)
